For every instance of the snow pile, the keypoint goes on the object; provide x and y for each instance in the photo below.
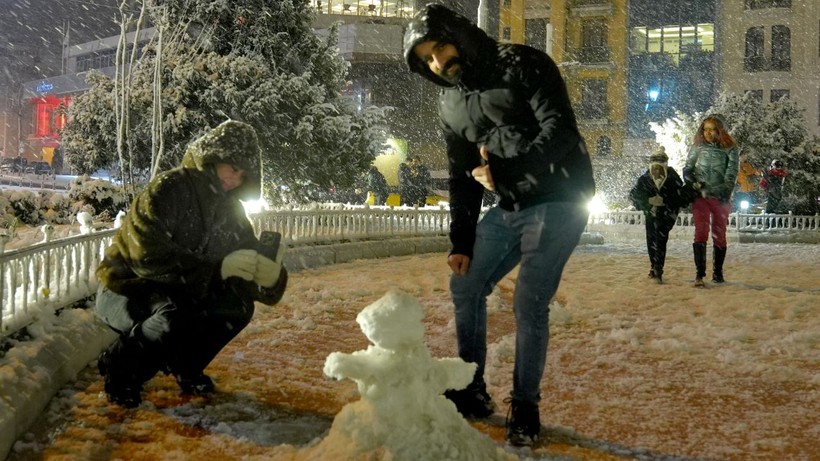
(402, 414)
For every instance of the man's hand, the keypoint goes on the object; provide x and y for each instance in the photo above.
(458, 263)
(656, 200)
(240, 263)
(482, 173)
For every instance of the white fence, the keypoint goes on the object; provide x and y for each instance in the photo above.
(41, 279)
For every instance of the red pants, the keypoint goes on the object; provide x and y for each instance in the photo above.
(705, 208)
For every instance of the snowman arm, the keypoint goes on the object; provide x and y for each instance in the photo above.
(453, 373)
(339, 366)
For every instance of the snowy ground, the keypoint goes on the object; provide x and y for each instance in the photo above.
(635, 370)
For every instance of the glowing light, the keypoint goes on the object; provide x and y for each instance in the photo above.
(597, 205)
(255, 206)
(744, 205)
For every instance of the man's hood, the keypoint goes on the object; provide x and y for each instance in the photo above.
(231, 142)
(438, 23)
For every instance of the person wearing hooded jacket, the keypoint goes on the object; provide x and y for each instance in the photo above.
(509, 127)
(711, 168)
(659, 193)
(181, 276)
(772, 182)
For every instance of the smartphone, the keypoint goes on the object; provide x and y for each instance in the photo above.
(269, 244)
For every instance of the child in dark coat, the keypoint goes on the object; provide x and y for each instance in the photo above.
(659, 193)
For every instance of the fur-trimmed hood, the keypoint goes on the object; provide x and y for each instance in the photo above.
(437, 22)
(230, 142)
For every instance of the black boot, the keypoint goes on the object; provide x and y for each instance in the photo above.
(121, 387)
(128, 363)
(699, 250)
(718, 256)
(523, 423)
(197, 384)
(658, 270)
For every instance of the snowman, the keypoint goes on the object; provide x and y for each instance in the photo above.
(86, 222)
(402, 414)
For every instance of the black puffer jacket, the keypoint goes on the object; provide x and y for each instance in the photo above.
(671, 191)
(180, 228)
(512, 99)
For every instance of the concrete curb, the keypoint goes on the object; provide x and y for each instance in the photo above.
(67, 349)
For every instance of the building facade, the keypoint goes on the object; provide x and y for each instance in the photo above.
(772, 49)
(587, 39)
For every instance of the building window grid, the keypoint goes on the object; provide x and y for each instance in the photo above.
(593, 98)
(781, 48)
(594, 46)
(763, 4)
(535, 33)
(675, 40)
(378, 8)
(755, 59)
(777, 95)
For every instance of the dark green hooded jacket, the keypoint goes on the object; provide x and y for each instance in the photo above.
(180, 228)
(512, 99)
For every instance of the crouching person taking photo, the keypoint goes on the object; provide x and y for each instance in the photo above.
(184, 270)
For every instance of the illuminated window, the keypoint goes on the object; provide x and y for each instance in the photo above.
(675, 40)
(49, 115)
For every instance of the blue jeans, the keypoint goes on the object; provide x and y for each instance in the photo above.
(541, 238)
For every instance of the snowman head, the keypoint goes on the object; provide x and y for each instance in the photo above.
(393, 322)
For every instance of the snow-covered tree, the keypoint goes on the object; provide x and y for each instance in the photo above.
(257, 61)
(675, 135)
(764, 131)
(776, 130)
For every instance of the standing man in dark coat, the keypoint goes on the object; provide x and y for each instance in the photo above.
(181, 276)
(659, 193)
(508, 126)
(377, 185)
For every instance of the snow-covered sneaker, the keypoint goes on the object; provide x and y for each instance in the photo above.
(523, 423)
(718, 278)
(699, 283)
(472, 404)
(197, 384)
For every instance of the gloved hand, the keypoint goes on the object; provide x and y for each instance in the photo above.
(656, 200)
(267, 270)
(240, 263)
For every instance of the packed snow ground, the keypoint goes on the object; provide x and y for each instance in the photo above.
(635, 370)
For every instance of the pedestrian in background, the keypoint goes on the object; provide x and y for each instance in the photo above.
(377, 185)
(508, 126)
(747, 183)
(711, 168)
(772, 182)
(659, 193)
